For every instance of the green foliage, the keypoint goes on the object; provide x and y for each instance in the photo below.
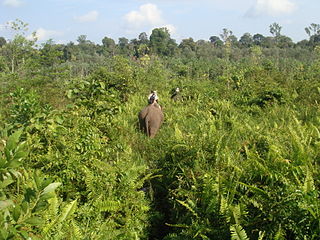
(237, 156)
(161, 43)
(237, 233)
(25, 195)
(25, 108)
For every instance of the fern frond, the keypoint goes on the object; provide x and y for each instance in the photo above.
(279, 234)
(109, 206)
(188, 207)
(236, 213)
(223, 205)
(308, 183)
(76, 232)
(238, 233)
(255, 190)
(68, 211)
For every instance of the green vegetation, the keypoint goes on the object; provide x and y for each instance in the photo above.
(236, 158)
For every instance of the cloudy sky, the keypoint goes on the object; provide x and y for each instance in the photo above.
(65, 20)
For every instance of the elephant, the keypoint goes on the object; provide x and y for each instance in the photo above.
(151, 119)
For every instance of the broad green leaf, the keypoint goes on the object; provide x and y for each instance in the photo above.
(37, 180)
(50, 188)
(41, 205)
(24, 234)
(34, 221)
(13, 140)
(3, 234)
(59, 120)
(2, 162)
(102, 85)
(47, 196)
(7, 153)
(14, 163)
(16, 213)
(15, 173)
(69, 94)
(5, 183)
(20, 154)
(24, 206)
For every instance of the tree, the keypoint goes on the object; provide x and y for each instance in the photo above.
(313, 29)
(85, 47)
(20, 48)
(216, 41)
(108, 42)
(123, 42)
(233, 40)
(258, 39)
(50, 54)
(246, 40)
(275, 29)
(225, 35)
(2, 41)
(267, 42)
(68, 51)
(188, 43)
(314, 34)
(314, 40)
(82, 39)
(188, 47)
(303, 43)
(161, 43)
(123, 45)
(284, 42)
(143, 38)
(109, 45)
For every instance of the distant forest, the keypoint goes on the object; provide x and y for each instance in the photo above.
(13, 51)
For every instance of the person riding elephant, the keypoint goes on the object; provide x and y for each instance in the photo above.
(176, 95)
(151, 117)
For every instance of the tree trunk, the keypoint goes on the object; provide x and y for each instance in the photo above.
(12, 65)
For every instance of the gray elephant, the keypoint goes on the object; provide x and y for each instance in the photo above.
(151, 119)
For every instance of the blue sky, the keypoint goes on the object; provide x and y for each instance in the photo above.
(65, 20)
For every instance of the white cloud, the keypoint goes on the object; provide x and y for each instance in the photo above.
(272, 7)
(148, 14)
(172, 29)
(2, 27)
(88, 17)
(44, 34)
(12, 3)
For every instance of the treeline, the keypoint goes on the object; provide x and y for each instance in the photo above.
(85, 53)
(45, 63)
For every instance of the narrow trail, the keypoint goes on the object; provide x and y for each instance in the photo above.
(152, 153)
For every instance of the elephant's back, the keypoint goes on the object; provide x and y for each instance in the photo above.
(155, 115)
(143, 113)
(151, 112)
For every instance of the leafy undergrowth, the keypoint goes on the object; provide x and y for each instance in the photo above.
(237, 157)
